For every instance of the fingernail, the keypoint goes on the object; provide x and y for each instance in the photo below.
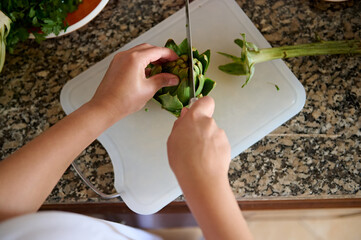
(173, 81)
(184, 110)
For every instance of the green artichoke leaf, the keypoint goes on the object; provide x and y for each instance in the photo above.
(239, 42)
(183, 73)
(155, 70)
(172, 45)
(175, 70)
(183, 47)
(252, 47)
(206, 60)
(195, 53)
(249, 45)
(199, 84)
(171, 103)
(196, 70)
(208, 86)
(172, 90)
(174, 98)
(234, 58)
(184, 91)
(249, 75)
(235, 68)
(199, 65)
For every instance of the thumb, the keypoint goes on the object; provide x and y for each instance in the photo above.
(163, 80)
(203, 106)
(183, 113)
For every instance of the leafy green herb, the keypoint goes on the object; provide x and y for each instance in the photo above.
(250, 55)
(40, 17)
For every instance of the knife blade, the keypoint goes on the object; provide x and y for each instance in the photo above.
(193, 97)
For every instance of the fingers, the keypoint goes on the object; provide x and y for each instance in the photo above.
(162, 80)
(204, 106)
(152, 54)
(183, 112)
(147, 72)
(141, 47)
(146, 53)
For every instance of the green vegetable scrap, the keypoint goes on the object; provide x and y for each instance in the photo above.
(40, 17)
(175, 98)
(251, 54)
(4, 31)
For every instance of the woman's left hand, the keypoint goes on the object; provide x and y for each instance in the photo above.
(125, 87)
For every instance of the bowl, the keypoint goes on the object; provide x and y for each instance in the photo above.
(86, 11)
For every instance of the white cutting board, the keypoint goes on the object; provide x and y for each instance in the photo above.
(137, 144)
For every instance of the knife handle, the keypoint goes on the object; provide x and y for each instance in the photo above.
(193, 100)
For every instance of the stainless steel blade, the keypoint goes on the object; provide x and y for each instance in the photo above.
(190, 52)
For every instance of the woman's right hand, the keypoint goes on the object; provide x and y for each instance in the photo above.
(199, 154)
(197, 148)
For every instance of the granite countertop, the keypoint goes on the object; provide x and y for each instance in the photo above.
(315, 155)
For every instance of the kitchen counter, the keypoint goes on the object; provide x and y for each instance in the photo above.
(315, 155)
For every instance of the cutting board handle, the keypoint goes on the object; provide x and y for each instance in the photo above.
(91, 186)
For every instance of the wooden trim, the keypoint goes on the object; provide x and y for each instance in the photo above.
(300, 204)
(181, 207)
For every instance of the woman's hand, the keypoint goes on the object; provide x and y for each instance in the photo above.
(34, 169)
(199, 154)
(197, 148)
(125, 87)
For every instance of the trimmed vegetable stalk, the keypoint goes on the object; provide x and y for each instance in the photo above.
(251, 54)
(4, 31)
(174, 98)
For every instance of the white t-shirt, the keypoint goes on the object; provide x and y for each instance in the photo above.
(62, 226)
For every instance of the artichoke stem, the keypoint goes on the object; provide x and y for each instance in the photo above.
(310, 49)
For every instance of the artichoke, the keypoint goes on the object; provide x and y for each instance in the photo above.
(174, 98)
(251, 54)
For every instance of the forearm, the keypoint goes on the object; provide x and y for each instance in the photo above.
(28, 176)
(216, 210)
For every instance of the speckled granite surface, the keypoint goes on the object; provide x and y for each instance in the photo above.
(316, 154)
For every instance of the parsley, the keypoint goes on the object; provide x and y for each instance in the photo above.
(40, 17)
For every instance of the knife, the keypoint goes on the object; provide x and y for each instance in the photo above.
(193, 96)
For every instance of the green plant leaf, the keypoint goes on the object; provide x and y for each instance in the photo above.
(234, 68)
(205, 58)
(183, 47)
(239, 42)
(171, 103)
(208, 86)
(179, 95)
(250, 75)
(252, 47)
(234, 58)
(200, 84)
(172, 45)
(184, 91)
